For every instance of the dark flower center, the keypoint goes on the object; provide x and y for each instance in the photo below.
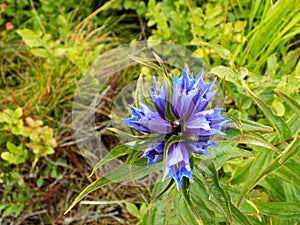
(176, 128)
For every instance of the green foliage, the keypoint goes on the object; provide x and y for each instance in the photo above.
(138, 213)
(15, 154)
(24, 142)
(39, 139)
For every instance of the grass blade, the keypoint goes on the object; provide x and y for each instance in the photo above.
(121, 173)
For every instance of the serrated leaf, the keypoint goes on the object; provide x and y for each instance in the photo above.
(278, 123)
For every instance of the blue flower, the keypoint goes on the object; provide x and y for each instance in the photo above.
(154, 152)
(192, 122)
(148, 121)
(178, 163)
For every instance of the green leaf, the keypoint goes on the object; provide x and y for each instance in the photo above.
(133, 210)
(183, 211)
(289, 173)
(207, 175)
(166, 216)
(116, 152)
(160, 62)
(278, 107)
(48, 151)
(40, 182)
(18, 209)
(3, 206)
(142, 209)
(227, 74)
(292, 149)
(12, 148)
(200, 199)
(40, 52)
(253, 139)
(121, 173)
(295, 106)
(225, 151)
(18, 112)
(220, 50)
(8, 211)
(126, 135)
(278, 123)
(30, 38)
(139, 92)
(15, 154)
(7, 116)
(59, 52)
(252, 126)
(283, 210)
(259, 164)
(147, 63)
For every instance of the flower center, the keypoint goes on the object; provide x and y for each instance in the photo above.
(176, 128)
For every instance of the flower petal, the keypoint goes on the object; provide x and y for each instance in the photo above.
(178, 163)
(201, 147)
(147, 121)
(206, 123)
(184, 82)
(182, 103)
(154, 152)
(159, 98)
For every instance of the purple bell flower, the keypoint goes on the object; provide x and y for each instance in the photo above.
(178, 163)
(193, 123)
(154, 152)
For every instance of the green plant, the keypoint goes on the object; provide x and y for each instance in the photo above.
(23, 140)
(139, 214)
(235, 182)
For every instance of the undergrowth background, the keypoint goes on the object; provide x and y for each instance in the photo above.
(253, 47)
